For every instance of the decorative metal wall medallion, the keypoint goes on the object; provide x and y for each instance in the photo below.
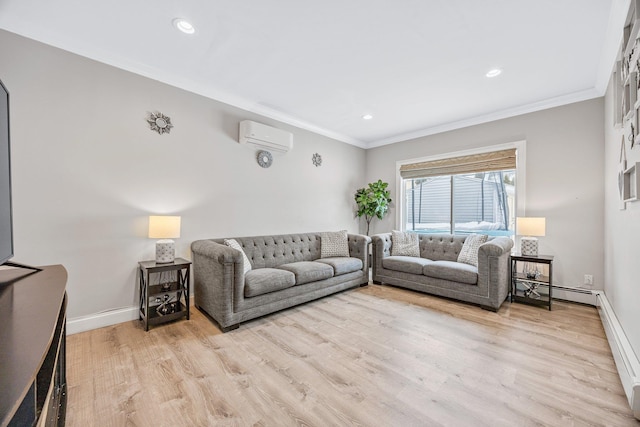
(265, 159)
(159, 122)
(317, 160)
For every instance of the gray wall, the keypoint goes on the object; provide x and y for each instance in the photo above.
(87, 172)
(622, 233)
(564, 170)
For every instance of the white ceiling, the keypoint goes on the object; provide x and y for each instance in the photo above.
(418, 66)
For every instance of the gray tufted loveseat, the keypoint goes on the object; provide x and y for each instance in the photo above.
(225, 293)
(437, 271)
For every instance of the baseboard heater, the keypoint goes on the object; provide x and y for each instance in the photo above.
(626, 360)
(574, 294)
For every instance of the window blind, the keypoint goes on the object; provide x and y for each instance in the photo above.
(483, 162)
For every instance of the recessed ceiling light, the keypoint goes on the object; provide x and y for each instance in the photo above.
(184, 26)
(367, 117)
(493, 73)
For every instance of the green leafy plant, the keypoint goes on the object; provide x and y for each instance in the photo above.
(373, 201)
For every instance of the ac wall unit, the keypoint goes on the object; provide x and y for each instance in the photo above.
(266, 137)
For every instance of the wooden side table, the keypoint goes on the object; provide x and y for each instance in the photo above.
(529, 285)
(164, 291)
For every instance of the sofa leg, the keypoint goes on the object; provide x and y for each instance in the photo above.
(364, 284)
(376, 282)
(229, 328)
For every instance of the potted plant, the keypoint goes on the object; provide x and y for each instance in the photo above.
(373, 201)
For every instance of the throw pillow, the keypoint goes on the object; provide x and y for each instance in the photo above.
(233, 243)
(404, 244)
(469, 252)
(334, 243)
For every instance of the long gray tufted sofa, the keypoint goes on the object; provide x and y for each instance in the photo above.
(437, 271)
(225, 293)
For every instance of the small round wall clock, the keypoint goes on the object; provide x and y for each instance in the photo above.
(317, 160)
(265, 159)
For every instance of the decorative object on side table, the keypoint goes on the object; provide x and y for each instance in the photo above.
(164, 228)
(316, 160)
(530, 228)
(531, 271)
(265, 159)
(159, 122)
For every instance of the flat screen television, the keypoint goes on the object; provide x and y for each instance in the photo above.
(6, 215)
(6, 222)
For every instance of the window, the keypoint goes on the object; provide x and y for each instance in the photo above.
(461, 195)
(482, 203)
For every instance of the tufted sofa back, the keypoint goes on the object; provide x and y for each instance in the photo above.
(437, 247)
(441, 247)
(272, 251)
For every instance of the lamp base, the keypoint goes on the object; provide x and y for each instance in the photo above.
(529, 246)
(165, 251)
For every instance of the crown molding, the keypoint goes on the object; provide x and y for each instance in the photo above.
(486, 118)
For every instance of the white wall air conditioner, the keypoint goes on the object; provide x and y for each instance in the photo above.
(265, 137)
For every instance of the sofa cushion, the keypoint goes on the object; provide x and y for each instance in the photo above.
(264, 280)
(404, 244)
(308, 271)
(453, 271)
(469, 252)
(343, 265)
(333, 244)
(233, 243)
(406, 264)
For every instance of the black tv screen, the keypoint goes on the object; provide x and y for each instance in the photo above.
(6, 225)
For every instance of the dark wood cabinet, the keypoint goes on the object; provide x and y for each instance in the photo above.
(33, 387)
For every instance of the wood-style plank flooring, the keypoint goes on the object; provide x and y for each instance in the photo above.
(373, 356)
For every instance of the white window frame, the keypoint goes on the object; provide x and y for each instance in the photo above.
(521, 173)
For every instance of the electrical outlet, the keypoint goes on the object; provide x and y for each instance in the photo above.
(588, 279)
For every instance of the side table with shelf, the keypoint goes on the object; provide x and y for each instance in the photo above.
(529, 285)
(164, 291)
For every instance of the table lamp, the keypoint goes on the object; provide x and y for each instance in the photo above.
(529, 227)
(164, 228)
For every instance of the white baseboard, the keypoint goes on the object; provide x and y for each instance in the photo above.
(106, 318)
(626, 360)
(100, 320)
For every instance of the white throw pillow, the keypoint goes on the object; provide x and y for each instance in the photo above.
(469, 252)
(233, 243)
(404, 244)
(334, 243)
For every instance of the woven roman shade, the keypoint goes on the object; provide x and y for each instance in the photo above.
(483, 162)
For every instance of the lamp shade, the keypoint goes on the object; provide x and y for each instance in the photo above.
(530, 226)
(164, 227)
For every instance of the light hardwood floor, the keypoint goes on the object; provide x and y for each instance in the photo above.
(373, 356)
